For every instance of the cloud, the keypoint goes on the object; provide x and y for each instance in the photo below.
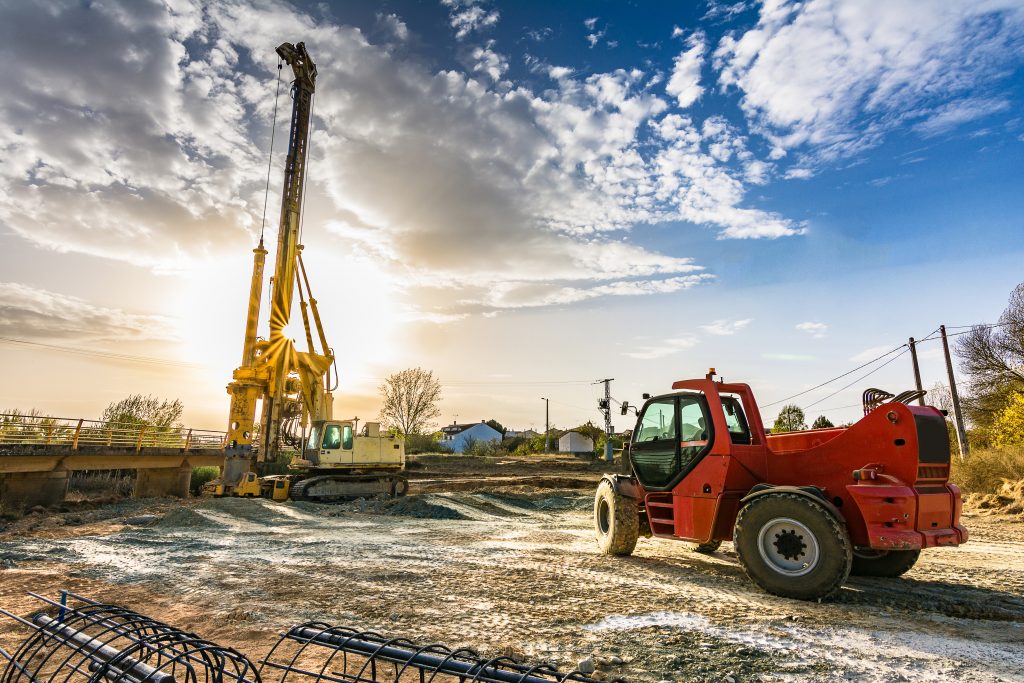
(684, 84)
(869, 354)
(833, 78)
(474, 194)
(799, 357)
(32, 314)
(393, 24)
(667, 348)
(954, 114)
(816, 330)
(468, 16)
(724, 328)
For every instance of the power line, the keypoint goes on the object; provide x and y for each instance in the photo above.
(827, 382)
(109, 355)
(859, 378)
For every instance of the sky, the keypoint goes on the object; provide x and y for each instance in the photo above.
(522, 197)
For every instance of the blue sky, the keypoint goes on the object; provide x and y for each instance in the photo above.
(521, 196)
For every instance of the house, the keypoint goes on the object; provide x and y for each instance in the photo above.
(525, 434)
(574, 442)
(459, 436)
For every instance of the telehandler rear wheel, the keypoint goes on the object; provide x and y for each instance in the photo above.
(793, 547)
(887, 563)
(616, 520)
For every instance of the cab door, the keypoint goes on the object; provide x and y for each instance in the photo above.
(336, 445)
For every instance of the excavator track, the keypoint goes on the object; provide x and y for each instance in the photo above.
(329, 488)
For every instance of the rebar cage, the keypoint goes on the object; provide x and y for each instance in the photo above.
(77, 640)
(315, 652)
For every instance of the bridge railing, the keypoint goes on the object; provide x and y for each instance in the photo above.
(37, 430)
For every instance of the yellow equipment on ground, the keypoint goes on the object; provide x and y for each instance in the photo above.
(330, 460)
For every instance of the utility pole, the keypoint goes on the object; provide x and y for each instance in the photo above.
(958, 417)
(917, 371)
(606, 406)
(547, 424)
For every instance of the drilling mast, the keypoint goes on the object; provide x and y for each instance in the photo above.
(291, 384)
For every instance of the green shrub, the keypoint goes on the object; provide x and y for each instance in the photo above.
(986, 469)
(200, 476)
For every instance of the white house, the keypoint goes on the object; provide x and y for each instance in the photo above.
(574, 442)
(457, 437)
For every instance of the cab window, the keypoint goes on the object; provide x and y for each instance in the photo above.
(735, 420)
(314, 438)
(332, 437)
(694, 428)
(346, 437)
(658, 421)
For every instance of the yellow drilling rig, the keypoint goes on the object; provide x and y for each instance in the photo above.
(330, 460)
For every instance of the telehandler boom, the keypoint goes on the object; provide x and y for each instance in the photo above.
(330, 460)
(803, 509)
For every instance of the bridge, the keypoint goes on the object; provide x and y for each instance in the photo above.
(38, 455)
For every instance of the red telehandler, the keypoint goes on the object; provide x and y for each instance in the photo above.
(804, 509)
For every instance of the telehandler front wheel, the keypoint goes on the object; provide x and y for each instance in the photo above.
(793, 547)
(886, 563)
(616, 520)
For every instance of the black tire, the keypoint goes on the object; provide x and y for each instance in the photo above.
(616, 521)
(705, 548)
(814, 557)
(885, 563)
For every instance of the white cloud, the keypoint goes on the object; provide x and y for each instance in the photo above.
(393, 24)
(684, 84)
(814, 329)
(489, 62)
(724, 328)
(506, 196)
(468, 16)
(954, 114)
(666, 348)
(835, 77)
(869, 354)
(37, 314)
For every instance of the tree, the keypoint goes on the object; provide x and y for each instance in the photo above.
(138, 410)
(496, 426)
(790, 419)
(1008, 426)
(993, 359)
(411, 400)
(822, 422)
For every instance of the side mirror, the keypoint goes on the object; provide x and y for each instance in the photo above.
(625, 407)
(646, 396)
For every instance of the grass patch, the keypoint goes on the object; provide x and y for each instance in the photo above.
(992, 479)
(987, 469)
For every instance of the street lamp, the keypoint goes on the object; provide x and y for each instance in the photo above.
(547, 425)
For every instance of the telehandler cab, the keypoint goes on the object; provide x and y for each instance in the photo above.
(803, 509)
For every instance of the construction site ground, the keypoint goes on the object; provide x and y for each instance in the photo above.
(499, 555)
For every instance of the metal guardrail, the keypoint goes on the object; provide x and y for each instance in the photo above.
(36, 430)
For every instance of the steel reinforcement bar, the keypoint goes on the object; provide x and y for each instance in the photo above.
(320, 653)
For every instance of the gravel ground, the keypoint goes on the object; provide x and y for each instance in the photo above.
(514, 569)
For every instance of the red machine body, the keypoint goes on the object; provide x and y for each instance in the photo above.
(885, 477)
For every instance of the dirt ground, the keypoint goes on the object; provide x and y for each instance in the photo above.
(500, 556)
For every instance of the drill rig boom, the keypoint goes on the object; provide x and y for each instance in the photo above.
(292, 384)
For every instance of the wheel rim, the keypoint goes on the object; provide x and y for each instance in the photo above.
(603, 516)
(788, 546)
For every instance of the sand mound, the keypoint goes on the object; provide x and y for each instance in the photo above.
(1008, 500)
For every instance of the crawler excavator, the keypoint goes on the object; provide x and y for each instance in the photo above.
(330, 460)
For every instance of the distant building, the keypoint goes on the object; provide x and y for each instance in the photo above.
(574, 442)
(457, 437)
(525, 434)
